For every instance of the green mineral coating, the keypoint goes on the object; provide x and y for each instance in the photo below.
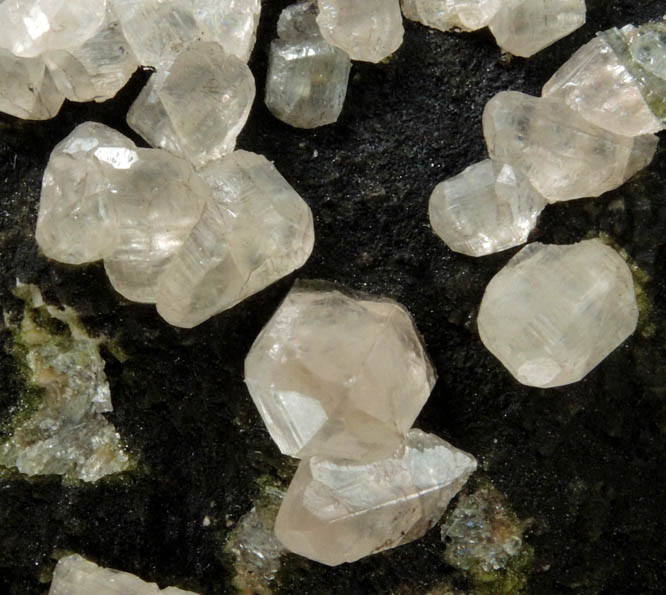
(512, 580)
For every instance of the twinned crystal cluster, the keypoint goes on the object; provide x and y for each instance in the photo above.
(339, 380)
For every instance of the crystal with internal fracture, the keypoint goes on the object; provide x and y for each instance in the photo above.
(339, 376)
(562, 154)
(524, 27)
(338, 511)
(447, 14)
(487, 208)
(370, 30)
(254, 230)
(197, 107)
(554, 312)
(75, 575)
(307, 77)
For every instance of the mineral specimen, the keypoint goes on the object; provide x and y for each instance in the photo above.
(595, 83)
(338, 376)
(254, 230)
(27, 90)
(447, 14)
(196, 107)
(563, 155)
(67, 434)
(554, 312)
(524, 27)
(487, 208)
(98, 69)
(370, 30)
(307, 78)
(338, 511)
(75, 575)
(32, 27)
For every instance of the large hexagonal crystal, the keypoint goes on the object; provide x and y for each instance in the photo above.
(338, 376)
(554, 312)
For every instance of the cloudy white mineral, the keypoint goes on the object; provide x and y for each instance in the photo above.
(447, 14)
(197, 106)
(487, 208)
(75, 575)
(554, 312)
(337, 376)
(338, 511)
(307, 77)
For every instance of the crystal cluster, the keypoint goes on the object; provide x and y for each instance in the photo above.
(193, 243)
(339, 381)
(554, 312)
(75, 575)
(307, 77)
(521, 27)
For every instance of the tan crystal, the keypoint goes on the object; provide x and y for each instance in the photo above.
(338, 376)
(338, 511)
(554, 312)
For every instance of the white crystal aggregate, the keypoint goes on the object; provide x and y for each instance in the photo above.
(74, 575)
(338, 511)
(307, 77)
(197, 106)
(487, 208)
(338, 376)
(448, 14)
(554, 312)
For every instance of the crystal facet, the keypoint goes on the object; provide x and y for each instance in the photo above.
(563, 155)
(337, 376)
(554, 312)
(75, 575)
(196, 107)
(370, 30)
(447, 14)
(254, 230)
(338, 511)
(487, 208)
(524, 27)
(307, 77)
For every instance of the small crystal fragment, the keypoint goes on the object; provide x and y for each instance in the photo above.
(595, 83)
(563, 155)
(254, 230)
(29, 28)
(307, 77)
(98, 69)
(447, 14)
(554, 312)
(198, 106)
(338, 376)
(338, 511)
(524, 27)
(75, 575)
(27, 90)
(370, 30)
(487, 208)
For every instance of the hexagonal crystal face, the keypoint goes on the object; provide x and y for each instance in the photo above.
(338, 376)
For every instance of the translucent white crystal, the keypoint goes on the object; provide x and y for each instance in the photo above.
(27, 90)
(75, 575)
(647, 46)
(98, 69)
(554, 312)
(563, 155)
(198, 106)
(487, 208)
(447, 14)
(334, 375)
(30, 27)
(524, 27)
(307, 77)
(254, 230)
(370, 30)
(67, 434)
(338, 511)
(595, 83)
